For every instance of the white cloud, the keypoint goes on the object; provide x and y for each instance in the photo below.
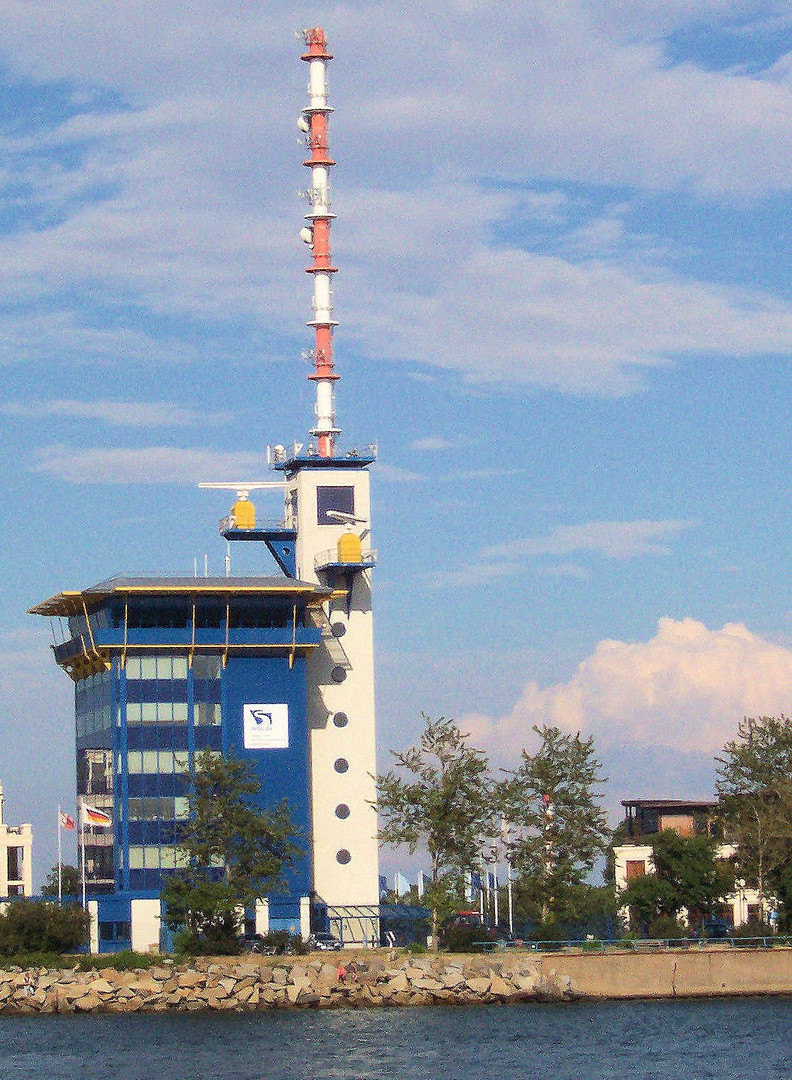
(519, 317)
(685, 690)
(566, 570)
(147, 465)
(472, 575)
(431, 442)
(122, 413)
(616, 539)
(394, 474)
(197, 218)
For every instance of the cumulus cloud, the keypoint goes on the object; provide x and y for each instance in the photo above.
(684, 690)
(146, 465)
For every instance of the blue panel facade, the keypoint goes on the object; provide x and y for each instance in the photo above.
(284, 772)
(166, 676)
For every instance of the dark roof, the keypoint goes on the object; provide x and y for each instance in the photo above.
(670, 804)
(71, 602)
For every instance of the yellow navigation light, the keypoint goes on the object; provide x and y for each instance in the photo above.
(350, 549)
(243, 513)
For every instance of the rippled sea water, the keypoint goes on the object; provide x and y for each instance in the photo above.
(749, 1039)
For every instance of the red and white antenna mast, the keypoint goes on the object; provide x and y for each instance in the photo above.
(314, 123)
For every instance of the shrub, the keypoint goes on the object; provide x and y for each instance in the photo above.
(666, 926)
(28, 926)
(753, 928)
(464, 939)
(282, 943)
(195, 944)
(126, 960)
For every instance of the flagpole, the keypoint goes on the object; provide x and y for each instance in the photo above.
(82, 852)
(60, 860)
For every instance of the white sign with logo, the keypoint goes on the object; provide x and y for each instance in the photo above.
(266, 727)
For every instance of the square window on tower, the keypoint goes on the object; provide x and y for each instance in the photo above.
(336, 498)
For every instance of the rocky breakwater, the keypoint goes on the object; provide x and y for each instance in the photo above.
(244, 984)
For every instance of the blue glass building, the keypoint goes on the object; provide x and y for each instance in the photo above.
(165, 668)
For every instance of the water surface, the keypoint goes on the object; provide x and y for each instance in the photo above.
(734, 1039)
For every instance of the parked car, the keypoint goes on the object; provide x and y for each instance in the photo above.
(324, 941)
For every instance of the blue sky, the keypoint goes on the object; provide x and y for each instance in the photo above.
(565, 314)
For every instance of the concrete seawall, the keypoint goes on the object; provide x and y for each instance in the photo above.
(387, 979)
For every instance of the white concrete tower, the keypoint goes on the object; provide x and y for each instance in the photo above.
(327, 503)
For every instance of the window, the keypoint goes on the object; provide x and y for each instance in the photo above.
(635, 868)
(340, 719)
(341, 765)
(342, 811)
(207, 714)
(206, 667)
(15, 864)
(343, 857)
(162, 808)
(157, 712)
(156, 761)
(334, 498)
(153, 857)
(115, 931)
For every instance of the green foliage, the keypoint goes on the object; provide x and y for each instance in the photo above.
(464, 939)
(700, 881)
(70, 882)
(667, 927)
(754, 785)
(688, 874)
(751, 929)
(558, 827)
(229, 838)
(125, 960)
(440, 799)
(28, 926)
(648, 898)
(53, 961)
(282, 943)
(415, 948)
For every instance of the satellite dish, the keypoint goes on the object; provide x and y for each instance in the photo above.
(306, 235)
(303, 124)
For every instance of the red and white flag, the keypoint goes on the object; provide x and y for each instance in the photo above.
(93, 816)
(66, 820)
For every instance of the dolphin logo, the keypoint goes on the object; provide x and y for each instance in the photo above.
(260, 716)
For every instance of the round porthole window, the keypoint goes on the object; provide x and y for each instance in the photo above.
(340, 719)
(338, 674)
(339, 629)
(342, 811)
(341, 765)
(343, 856)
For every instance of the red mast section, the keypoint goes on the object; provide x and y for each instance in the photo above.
(314, 122)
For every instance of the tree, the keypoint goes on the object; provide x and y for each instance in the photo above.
(557, 827)
(688, 874)
(754, 786)
(28, 926)
(70, 882)
(234, 853)
(440, 800)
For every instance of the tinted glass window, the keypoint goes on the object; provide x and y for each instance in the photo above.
(334, 498)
